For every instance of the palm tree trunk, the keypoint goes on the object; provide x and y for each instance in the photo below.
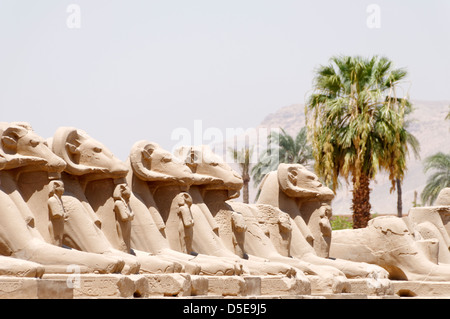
(246, 180)
(245, 192)
(399, 198)
(361, 202)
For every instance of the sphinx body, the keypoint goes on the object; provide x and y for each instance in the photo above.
(94, 221)
(211, 195)
(430, 227)
(146, 235)
(238, 226)
(388, 242)
(443, 198)
(167, 213)
(295, 191)
(24, 221)
(414, 247)
(10, 266)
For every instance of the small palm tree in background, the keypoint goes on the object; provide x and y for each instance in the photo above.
(283, 148)
(440, 179)
(356, 125)
(414, 145)
(440, 164)
(243, 158)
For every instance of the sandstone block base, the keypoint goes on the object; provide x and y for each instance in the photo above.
(33, 288)
(330, 285)
(421, 289)
(99, 286)
(64, 286)
(199, 285)
(252, 285)
(226, 285)
(371, 287)
(282, 285)
(172, 285)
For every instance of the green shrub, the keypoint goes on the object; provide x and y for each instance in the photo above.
(341, 222)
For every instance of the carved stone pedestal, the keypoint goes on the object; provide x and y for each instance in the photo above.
(102, 286)
(34, 288)
(282, 286)
(226, 285)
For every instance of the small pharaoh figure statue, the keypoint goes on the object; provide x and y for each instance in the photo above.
(183, 203)
(56, 211)
(239, 227)
(124, 214)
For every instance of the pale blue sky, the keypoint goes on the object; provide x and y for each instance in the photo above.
(140, 69)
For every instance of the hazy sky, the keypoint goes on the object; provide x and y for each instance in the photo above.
(140, 69)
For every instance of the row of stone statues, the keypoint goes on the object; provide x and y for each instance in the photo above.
(67, 200)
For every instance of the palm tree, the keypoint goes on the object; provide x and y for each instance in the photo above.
(356, 125)
(440, 163)
(243, 157)
(440, 179)
(283, 149)
(413, 142)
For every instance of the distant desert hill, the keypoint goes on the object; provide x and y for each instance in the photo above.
(429, 126)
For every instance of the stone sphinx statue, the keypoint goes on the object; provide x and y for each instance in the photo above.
(165, 214)
(15, 267)
(299, 197)
(27, 166)
(56, 211)
(96, 203)
(431, 228)
(443, 198)
(10, 266)
(237, 224)
(211, 195)
(414, 247)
